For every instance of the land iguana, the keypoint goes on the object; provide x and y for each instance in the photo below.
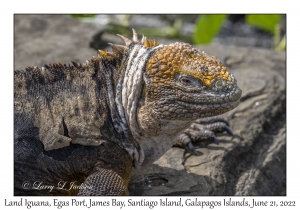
(80, 128)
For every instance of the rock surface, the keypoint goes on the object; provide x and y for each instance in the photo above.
(252, 162)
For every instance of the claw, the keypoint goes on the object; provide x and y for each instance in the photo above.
(190, 147)
(229, 131)
(215, 140)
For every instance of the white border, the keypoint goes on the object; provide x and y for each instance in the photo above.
(216, 6)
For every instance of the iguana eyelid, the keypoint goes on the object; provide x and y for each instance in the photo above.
(187, 81)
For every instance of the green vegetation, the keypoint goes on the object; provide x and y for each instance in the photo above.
(264, 22)
(207, 27)
(83, 15)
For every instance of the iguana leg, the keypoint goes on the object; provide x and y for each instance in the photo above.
(202, 130)
(104, 182)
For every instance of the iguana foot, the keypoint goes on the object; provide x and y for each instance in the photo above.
(202, 130)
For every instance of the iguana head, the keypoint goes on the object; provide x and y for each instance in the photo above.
(164, 88)
(186, 83)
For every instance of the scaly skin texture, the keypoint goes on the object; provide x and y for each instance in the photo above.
(91, 123)
(187, 76)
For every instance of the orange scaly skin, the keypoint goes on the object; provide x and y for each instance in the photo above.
(184, 58)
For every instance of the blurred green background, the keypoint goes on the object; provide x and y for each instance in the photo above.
(259, 30)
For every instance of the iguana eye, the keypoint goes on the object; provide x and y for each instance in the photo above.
(185, 81)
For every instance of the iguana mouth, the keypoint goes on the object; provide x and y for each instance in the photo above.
(190, 110)
(208, 98)
(209, 106)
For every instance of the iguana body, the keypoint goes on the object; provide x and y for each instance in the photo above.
(92, 122)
